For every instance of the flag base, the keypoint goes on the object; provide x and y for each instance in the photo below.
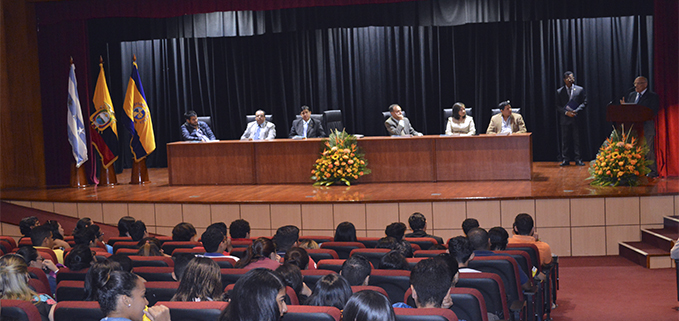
(107, 176)
(78, 176)
(140, 174)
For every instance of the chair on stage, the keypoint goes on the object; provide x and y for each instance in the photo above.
(195, 311)
(19, 310)
(448, 112)
(312, 276)
(496, 111)
(332, 120)
(251, 118)
(386, 115)
(206, 119)
(312, 313)
(431, 314)
(343, 249)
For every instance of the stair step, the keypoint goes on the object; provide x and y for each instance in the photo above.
(645, 254)
(671, 222)
(661, 238)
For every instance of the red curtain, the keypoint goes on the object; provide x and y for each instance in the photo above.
(666, 64)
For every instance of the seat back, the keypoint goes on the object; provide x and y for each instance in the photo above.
(369, 242)
(168, 247)
(125, 245)
(195, 311)
(506, 268)
(412, 261)
(333, 265)
(39, 287)
(195, 250)
(128, 252)
(496, 111)
(70, 291)
(112, 240)
(230, 276)
(206, 119)
(343, 249)
(164, 261)
(78, 310)
(428, 253)
(39, 274)
(160, 291)
(448, 112)
(522, 258)
(239, 252)
(423, 242)
(244, 243)
(66, 274)
(48, 254)
(251, 118)
(359, 288)
(430, 314)
(468, 304)
(491, 287)
(291, 295)
(25, 241)
(312, 276)
(373, 255)
(312, 313)
(322, 254)
(316, 117)
(224, 262)
(395, 282)
(154, 273)
(19, 310)
(10, 240)
(332, 120)
(532, 251)
(317, 238)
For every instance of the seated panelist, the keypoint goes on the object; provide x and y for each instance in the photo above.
(260, 128)
(460, 123)
(306, 127)
(398, 125)
(506, 121)
(195, 130)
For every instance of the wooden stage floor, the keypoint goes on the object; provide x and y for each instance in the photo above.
(549, 181)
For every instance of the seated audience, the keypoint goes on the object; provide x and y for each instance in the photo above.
(257, 295)
(181, 260)
(345, 232)
(41, 237)
(261, 254)
(98, 273)
(469, 224)
(184, 232)
(239, 230)
(460, 123)
(124, 224)
(293, 278)
(122, 298)
(331, 290)
(297, 256)
(524, 232)
(215, 243)
(430, 282)
(394, 260)
(356, 269)
(368, 305)
(201, 281)
(14, 286)
(34, 259)
(308, 245)
(461, 249)
(122, 259)
(398, 125)
(306, 127)
(99, 242)
(259, 129)
(81, 224)
(418, 223)
(138, 231)
(150, 246)
(57, 234)
(285, 238)
(26, 225)
(79, 258)
(506, 121)
(479, 240)
(195, 130)
(498, 237)
(397, 230)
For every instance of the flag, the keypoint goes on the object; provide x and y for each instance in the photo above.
(76, 127)
(137, 118)
(104, 129)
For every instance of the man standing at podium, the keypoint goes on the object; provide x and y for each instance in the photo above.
(642, 96)
(571, 99)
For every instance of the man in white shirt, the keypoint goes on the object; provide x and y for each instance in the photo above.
(259, 129)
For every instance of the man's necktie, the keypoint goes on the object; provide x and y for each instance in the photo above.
(257, 132)
(638, 97)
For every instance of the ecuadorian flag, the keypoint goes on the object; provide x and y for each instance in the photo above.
(103, 129)
(137, 118)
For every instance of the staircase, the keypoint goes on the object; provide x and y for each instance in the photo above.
(653, 251)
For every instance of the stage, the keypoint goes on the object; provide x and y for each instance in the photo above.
(573, 217)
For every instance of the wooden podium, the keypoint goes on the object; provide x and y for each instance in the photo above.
(628, 115)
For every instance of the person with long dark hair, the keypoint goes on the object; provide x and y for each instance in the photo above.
(368, 305)
(331, 290)
(99, 272)
(122, 298)
(460, 123)
(257, 296)
(201, 281)
(292, 275)
(261, 254)
(345, 232)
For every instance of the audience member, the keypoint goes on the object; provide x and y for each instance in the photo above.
(394, 260)
(331, 290)
(297, 256)
(138, 231)
(524, 232)
(240, 230)
(122, 259)
(79, 258)
(99, 241)
(184, 232)
(430, 283)
(98, 273)
(201, 281)
(57, 234)
(150, 246)
(308, 244)
(498, 237)
(387, 242)
(85, 236)
(356, 269)
(293, 278)
(41, 237)
(81, 224)
(27, 224)
(368, 305)
(469, 224)
(181, 260)
(479, 240)
(397, 230)
(260, 129)
(260, 254)
(14, 286)
(461, 249)
(418, 223)
(345, 232)
(124, 224)
(398, 125)
(121, 297)
(220, 226)
(286, 237)
(257, 295)
(34, 259)
(215, 243)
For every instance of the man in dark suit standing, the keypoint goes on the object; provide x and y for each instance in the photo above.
(571, 99)
(306, 127)
(643, 96)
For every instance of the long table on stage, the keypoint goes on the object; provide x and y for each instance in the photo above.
(391, 159)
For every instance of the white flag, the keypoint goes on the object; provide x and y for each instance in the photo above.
(76, 127)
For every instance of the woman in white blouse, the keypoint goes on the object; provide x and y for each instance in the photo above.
(460, 123)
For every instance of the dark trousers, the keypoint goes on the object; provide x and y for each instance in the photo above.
(570, 135)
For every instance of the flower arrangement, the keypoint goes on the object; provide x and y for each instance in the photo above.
(621, 160)
(341, 161)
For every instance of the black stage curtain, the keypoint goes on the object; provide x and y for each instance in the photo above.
(362, 70)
